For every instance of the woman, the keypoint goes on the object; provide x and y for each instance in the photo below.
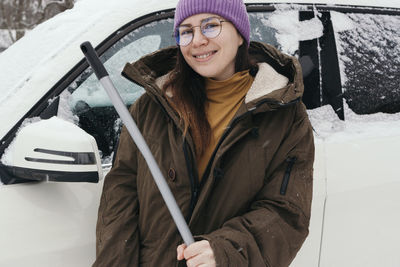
(233, 139)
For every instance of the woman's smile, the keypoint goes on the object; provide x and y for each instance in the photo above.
(203, 57)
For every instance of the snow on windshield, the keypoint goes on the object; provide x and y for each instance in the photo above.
(369, 59)
(289, 30)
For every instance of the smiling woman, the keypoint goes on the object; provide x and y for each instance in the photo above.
(231, 123)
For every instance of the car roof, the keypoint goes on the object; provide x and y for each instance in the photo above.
(367, 3)
(38, 61)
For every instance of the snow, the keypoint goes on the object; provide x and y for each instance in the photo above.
(371, 3)
(290, 30)
(64, 110)
(328, 127)
(7, 158)
(341, 23)
(5, 39)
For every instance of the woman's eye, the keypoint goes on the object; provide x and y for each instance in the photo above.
(186, 32)
(210, 26)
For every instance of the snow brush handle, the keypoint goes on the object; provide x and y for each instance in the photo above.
(137, 137)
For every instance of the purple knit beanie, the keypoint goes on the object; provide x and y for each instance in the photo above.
(232, 10)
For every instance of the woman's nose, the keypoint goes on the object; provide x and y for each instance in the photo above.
(198, 38)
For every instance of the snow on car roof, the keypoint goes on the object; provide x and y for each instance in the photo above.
(35, 63)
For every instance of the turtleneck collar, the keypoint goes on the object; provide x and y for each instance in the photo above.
(238, 84)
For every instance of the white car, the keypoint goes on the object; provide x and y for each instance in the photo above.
(58, 128)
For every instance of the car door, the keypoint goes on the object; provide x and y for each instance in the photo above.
(53, 223)
(361, 137)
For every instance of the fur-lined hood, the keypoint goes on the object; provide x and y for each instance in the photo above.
(278, 81)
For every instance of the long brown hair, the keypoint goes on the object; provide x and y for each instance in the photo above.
(188, 91)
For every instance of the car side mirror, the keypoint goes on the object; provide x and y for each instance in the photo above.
(53, 150)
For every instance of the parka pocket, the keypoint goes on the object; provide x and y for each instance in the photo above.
(286, 177)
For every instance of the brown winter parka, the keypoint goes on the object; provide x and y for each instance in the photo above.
(253, 203)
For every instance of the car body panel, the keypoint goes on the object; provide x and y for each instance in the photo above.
(361, 216)
(60, 218)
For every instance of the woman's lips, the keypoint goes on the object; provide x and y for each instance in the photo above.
(204, 56)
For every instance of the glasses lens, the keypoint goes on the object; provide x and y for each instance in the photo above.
(211, 27)
(184, 35)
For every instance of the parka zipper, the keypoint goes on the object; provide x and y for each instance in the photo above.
(224, 135)
(193, 181)
(290, 162)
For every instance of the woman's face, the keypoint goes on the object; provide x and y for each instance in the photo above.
(212, 58)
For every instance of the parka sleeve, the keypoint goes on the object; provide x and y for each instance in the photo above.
(117, 237)
(276, 224)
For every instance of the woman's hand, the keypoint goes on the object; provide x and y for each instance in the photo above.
(197, 254)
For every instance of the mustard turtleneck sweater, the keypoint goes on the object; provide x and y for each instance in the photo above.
(224, 99)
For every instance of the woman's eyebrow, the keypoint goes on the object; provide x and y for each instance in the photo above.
(186, 25)
(205, 19)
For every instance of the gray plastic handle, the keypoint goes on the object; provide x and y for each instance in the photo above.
(137, 137)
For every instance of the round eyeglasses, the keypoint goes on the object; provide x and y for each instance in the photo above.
(209, 27)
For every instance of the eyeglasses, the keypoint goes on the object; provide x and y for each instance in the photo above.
(209, 27)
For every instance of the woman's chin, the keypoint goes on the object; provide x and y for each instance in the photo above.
(205, 72)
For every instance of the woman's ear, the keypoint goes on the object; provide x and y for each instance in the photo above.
(240, 38)
(241, 41)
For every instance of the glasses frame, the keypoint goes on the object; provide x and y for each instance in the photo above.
(177, 36)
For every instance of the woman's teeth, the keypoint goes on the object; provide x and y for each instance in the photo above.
(204, 55)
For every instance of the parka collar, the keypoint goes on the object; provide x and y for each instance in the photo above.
(278, 82)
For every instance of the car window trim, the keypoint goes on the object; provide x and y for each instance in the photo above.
(75, 71)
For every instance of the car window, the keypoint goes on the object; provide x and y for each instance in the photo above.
(369, 58)
(86, 103)
(262, 29)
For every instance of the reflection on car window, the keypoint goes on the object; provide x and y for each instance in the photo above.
(369, 56)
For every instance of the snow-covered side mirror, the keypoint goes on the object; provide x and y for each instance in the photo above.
(55, 150)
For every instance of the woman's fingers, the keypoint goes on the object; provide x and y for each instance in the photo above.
(196, 248)
(197, 254)
(205, 258)
(180, 249)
